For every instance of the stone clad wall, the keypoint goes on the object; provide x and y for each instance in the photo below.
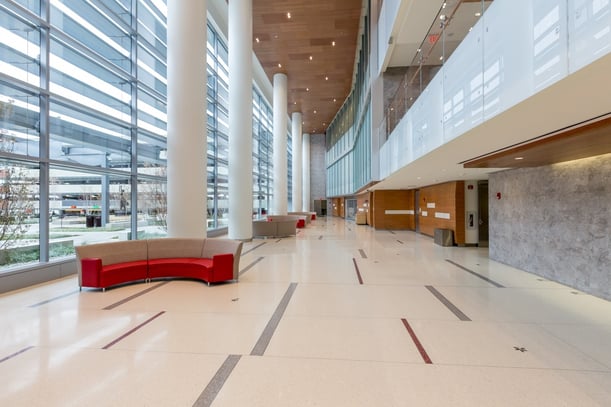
(555, 221)
(318, 170)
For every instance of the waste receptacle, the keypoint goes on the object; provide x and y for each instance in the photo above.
(444, 237)
(89, 221)
(97, 221)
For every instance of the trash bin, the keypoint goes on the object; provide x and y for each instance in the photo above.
(89, 221)
(444, 237)
(97, 221)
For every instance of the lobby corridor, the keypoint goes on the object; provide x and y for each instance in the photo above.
(340, 315)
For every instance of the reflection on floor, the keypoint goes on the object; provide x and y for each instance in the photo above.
(340, 315)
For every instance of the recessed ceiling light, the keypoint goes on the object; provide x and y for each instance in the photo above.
(334, 100)
(333, 43)
(314, 111)
(257, 39)
(307, 89)
(311, 57)
(478, 14)
(326, 78)
(288, 15)
(518, 158)
(279, 65)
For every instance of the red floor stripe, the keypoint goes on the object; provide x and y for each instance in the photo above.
(423, 353)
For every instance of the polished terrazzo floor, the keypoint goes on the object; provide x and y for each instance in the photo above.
(340, 315)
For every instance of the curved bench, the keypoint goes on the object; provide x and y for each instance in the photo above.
(106, 264)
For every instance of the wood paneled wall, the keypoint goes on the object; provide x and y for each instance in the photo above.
(392, 200)
(438, 202)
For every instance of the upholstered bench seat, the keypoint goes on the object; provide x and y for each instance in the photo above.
(107, 264)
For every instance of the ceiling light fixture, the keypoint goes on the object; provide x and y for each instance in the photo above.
(478, 14)
(326, 78)
(333, 43)
(311, 57)
(279, 65)
(257, 40)
(288, 15)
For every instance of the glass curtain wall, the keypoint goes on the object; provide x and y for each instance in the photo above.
(83, 126)
(262, 171)
(348, 141)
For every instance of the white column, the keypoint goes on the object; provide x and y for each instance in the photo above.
(186, 119)
(280, 197)
(306, 172)
(240, 120)
(297, 159)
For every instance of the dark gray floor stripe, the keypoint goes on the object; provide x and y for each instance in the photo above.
(358, 272)
(459, 314)
(256, 247)
(363, 255)
(216, 384)
(131, 297)
(251, 265)
(59, 297)
(279, 240)
(494, 283)
(131, 331)
(269, 330)
(400, 241)
(19, 352)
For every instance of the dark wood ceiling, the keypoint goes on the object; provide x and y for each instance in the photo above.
(319, 73)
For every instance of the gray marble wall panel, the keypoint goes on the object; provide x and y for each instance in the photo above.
(555, 221)
(318, 168)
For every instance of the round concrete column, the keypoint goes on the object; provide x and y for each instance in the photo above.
(280, 194)
(186, 165)
(305, 153)
(297, 160)
(240, 120)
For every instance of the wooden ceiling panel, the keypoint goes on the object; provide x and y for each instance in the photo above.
(309, 32)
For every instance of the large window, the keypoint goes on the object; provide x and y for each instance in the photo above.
(83, 107)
